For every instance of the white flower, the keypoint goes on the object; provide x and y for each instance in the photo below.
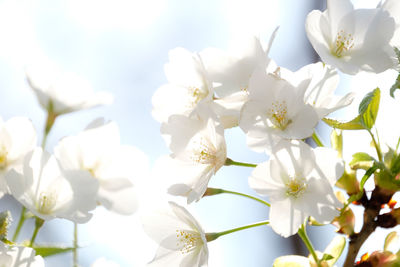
(98, 151)
(19, 257)
(17, 138)
(181, 238)
(62, 92)
(393, 7)
(198, 152)
(102, 262)
(352, 39)
(230, 73)
(276, 110)
(298, 181)
(320, 91)
(49, 193)
(188, 86)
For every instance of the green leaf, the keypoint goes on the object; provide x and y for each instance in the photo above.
(396, 84)
(354, 124)
(368, 108)
(361, 160)
(46, 251)
(5, 221)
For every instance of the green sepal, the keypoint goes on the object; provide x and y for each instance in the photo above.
(354, 124)
(396, 84)
(392, 237)
(364, 179)
(361, 160)
(368, 108)
(395, 164)
(337, 141)
(326, 257)
(349, 182)
(335, 250)
(388, 180)
(46, 251)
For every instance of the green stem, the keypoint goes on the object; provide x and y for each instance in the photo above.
(38, 224)
(21, 221)
(303, 235)
(75, 250)
(213, 236)
(51, 118)
(229, 162)
(215, 191)
(317, 139)
(376, 145)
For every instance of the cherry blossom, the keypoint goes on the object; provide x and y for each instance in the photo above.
(17, 138)
(276, 110)
(98, 152)
(62, 92)
(352, 39)
(181, 238)
(48, 192)
(299, 183)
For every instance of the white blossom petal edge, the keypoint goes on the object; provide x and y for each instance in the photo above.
(182, 240)
(299, 183)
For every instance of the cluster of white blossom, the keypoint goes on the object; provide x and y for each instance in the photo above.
(207, 93)
(89, 169)
(213, 90)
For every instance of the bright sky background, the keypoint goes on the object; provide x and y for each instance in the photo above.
(121, 46)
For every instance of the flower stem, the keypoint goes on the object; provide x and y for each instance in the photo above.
(317, 139)
(21, 221)
(376, 145)
(215, 191)
(75, 250)
(213, 236)
(51, 118)
(303, 235)
(229, 162)
(38, 224)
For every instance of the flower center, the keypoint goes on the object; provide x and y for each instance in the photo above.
(3, 157)
(47, 202)
(203, 151)
(187, 241)
(278, 115)
(295, 187)
(195, 95)
(343, 43)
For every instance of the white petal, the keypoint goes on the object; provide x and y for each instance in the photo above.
(23, 137)
(284, 219)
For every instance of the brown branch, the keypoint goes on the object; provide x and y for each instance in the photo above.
(357, 240)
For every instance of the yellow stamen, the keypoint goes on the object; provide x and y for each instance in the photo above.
(295, 187)
(187, 240)
(343, 43)
(278, 115)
